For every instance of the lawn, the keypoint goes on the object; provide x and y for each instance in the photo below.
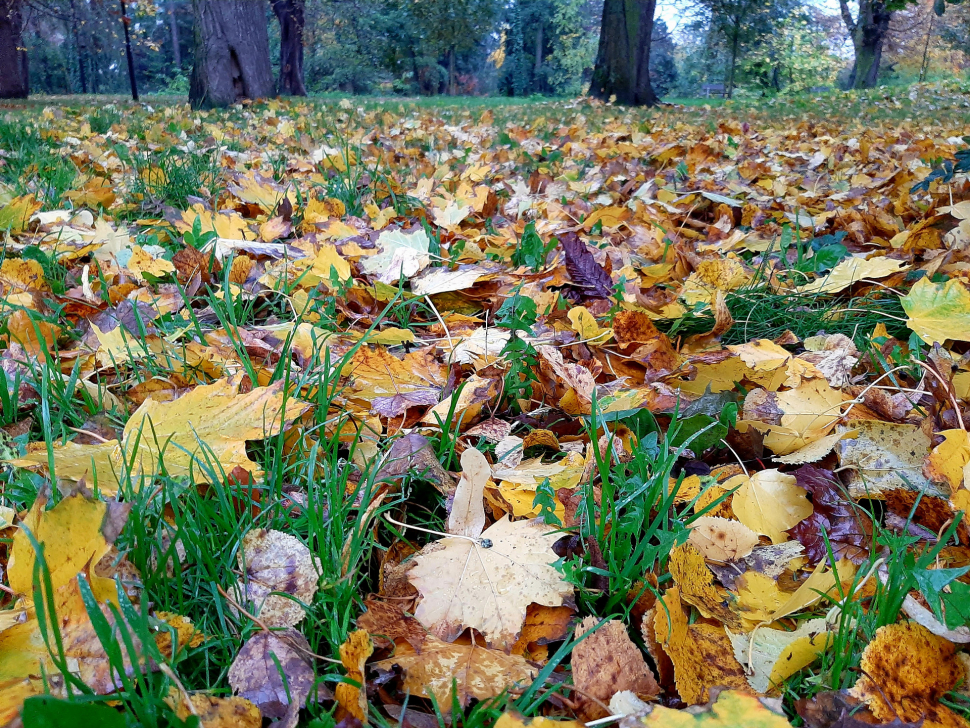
(408, 412)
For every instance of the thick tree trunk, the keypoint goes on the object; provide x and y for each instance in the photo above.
(868, 32)
(174, 26)
(231, 53)
(623, 60)
(14, 80)
(291, 14)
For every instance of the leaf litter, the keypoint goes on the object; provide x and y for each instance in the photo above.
(546, 409)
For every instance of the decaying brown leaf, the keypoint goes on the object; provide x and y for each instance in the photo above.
(605, 663)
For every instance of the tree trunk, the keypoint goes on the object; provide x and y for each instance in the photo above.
(79, 49)
(623, 60)
(231, 53)
(291, 15)
(14, 80)
(537, 68)
(735, 41)
(174, 26)
(128, 54)
(869, 32)
(452, 89)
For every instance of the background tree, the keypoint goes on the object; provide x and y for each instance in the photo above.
(622, 67)
(663, 66)
(292, 17)
(869, 30)
(231, 53)
(739, 23)
(14, 80)
(453, 27)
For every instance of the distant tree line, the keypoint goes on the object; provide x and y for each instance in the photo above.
(221, 51)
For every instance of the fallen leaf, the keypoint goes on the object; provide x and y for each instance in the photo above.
(701, 653)
(276, 562)
(475, 671)
(938, 311)
(769, 502)
(729, 709)
(774, 655)
(215, 712)
(721, 539)
(73, 540)
(352, 700)
(467, 517)
(905, 671)
(273, 672)
(458, 581)
(607, 662)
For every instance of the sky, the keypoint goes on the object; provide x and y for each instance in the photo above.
(671, 11)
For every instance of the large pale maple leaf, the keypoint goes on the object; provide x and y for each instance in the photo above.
(488, 583)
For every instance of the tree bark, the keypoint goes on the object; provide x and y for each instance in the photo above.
(79, 48)
(623, 60)
(735, 42)
(14, 80)
(537, 68)
(174, 26)
(128, 54)
(452, 86)
(291, 14)
(868, 32)
(231, 53)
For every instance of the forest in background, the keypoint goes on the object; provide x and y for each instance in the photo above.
(515, 48)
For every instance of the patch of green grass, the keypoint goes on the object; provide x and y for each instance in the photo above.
(761, 313)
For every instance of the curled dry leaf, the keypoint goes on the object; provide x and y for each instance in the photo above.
(467, 517)
(834, 518)
(352, 700)
(606, 662)
(274, 561)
